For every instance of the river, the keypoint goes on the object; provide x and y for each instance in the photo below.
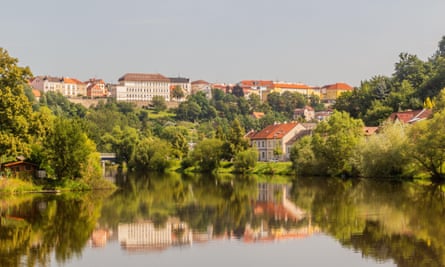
(171, 220)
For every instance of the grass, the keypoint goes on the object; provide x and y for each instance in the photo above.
(159, 114)
(10, 186)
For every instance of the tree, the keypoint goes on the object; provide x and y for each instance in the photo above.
(302, 157)
(207, 154)
(428, 146)
(245, 160)
(159, 103)
(383, 155)
(177, 137)
(15, 108)
(237, 90)
(68, 149)
(335, 142)
(177, 92)
(152, 154)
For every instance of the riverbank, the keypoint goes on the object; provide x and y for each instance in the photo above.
(14, 186)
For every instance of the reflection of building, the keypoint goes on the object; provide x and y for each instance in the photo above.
(272, 202)
(99, 237)
(147, 235)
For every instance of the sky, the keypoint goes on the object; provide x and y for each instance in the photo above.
(316, 42)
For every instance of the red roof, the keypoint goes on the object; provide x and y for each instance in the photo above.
(275, 131)
(255, 83)
(71, 80)
(411, 116)
(338, 86)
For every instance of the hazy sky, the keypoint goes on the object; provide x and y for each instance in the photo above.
(312, 41)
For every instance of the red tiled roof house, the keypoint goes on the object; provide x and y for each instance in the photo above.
(274, 137)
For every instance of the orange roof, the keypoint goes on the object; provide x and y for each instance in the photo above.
(71, 80)
(36, 92)
(254, 83)
(292, 85)
(338, 86)
(258, 115)
(200, 82)
(275, 131)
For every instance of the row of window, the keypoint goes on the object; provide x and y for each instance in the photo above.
(148, 90)
(270, 143)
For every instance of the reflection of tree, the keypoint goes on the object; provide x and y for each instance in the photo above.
(399, 221)
(52, 223)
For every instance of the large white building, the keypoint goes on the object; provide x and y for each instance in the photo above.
(136, 87)
(69, 87)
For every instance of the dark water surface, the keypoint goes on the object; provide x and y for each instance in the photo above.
(203, 221)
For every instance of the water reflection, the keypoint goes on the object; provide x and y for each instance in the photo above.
(400, 222)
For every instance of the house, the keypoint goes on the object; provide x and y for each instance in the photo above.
(300, 88)
(307, 113)
(47, 84)
(410, 116)
(200, 85)
(308, 130)
(142, 87)
(271, 141)
(330, 92)
(96, 88)
(19, 169)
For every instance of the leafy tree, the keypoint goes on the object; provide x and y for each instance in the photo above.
(428, 146)
(68, 149)
(235, 141)
(61, 106)
(123, 142)
(245, 160)
(303, 158)
(152, 154)
(237, 90)
(177, 92)
(383, 155)
(15, 108)
(207, 154)
(159, 103)
(177, 137)
(335, 142)
(411, 69)
(377, 114)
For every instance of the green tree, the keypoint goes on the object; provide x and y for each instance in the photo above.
(383, 155)
(68, 149)
(152, 154)
(177, 92)
(177, 137)
(15, 108)
(159, 103)
(428, 146)
(207, 154)
(245, 160)
(303, 158)
(335, 143)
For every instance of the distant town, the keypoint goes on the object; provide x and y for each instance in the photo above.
(142, 87)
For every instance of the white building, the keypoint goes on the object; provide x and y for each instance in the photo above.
(136, 87)
(183, 83)
(47, 84)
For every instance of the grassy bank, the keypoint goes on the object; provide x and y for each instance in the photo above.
(261, 168)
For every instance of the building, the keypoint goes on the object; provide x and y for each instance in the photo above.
(142, 87)
(300, 88)
(183, 83)
(18, 168)
(47, 84)
(72, 87)
(95, 88)
(329, 93)
(307, 113)
(200, 85)
(410, 116)
(271, 141)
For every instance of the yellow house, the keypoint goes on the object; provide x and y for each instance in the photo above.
(331, 92)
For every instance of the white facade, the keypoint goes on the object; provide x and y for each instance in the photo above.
(142, 87)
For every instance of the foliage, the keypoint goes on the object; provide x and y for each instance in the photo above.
(15, 108)
(207, 154)
(383, 155)
(428, 145)
(68, 149)
(61, 106)
(245, 160)
(302, 157)
(159, 103)
(177, 92)
(152, 154)
(334, 144)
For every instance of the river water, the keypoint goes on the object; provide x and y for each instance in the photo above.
(228, 221)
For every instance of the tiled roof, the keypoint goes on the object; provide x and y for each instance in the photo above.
(71, 80)
(275, 131)
(338, 86)
(144, 77)
(255, 83)
(200, 82)
(370, 130)
(292, 85)
(52, 79)
(411, 116)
